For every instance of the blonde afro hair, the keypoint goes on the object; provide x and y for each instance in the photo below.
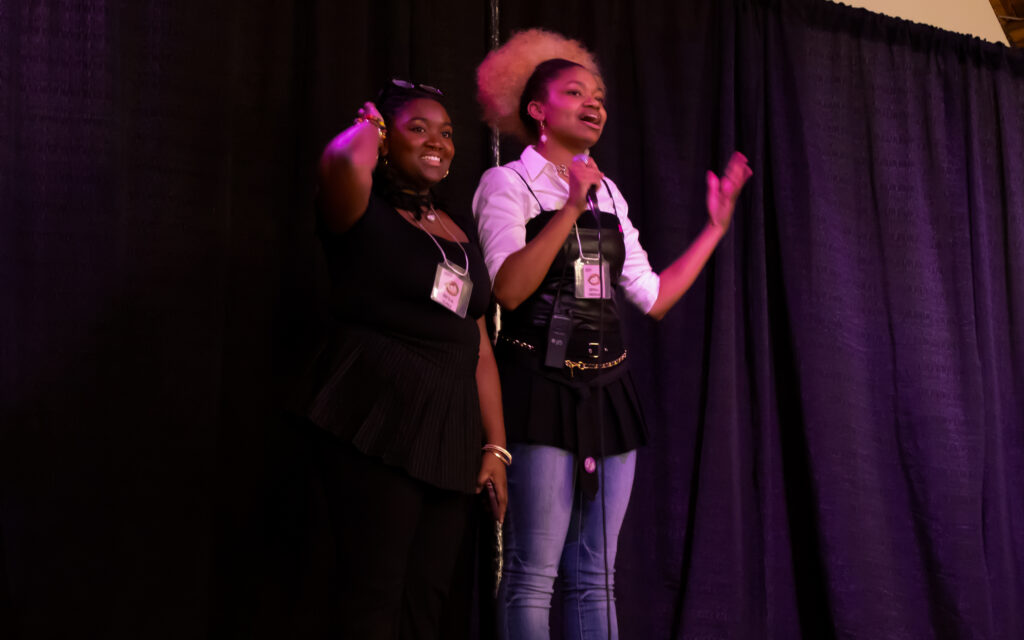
(502, 76)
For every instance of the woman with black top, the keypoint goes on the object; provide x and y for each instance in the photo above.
(407, 381)
(570, 405)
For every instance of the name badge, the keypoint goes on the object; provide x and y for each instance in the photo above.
(451, 290)
(593, 280)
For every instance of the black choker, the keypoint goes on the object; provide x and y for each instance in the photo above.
(419, 204)
(389, 188)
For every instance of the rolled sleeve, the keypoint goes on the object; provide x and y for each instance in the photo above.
(639, 282)
(501, 205)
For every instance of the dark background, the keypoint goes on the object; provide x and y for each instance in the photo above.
(836, 406)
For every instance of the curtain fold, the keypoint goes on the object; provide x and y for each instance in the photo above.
(859, 429)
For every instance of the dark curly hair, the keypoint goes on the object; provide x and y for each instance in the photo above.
(393, 98)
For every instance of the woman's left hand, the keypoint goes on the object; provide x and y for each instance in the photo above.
(723, 192)
(492, 470)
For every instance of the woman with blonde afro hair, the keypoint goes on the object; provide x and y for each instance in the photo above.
(558, 242)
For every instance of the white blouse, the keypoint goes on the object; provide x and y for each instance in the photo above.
(502, 206)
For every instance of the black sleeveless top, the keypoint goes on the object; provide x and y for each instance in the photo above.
(382, 271)
(590, 316)
(396, 377)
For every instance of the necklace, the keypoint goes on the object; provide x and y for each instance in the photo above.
(562, 170)
(431, 216)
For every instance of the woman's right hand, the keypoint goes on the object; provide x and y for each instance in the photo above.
(346, 170)
(523, 271)
(369, 110)
(583, 174)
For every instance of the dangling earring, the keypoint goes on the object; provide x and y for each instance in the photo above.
(543, 136)
(385, 161)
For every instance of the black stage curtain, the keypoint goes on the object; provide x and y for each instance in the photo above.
(838, 430)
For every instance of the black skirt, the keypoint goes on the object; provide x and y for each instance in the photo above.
(593, 413)
(412, 403)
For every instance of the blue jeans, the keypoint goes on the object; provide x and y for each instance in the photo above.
(551, 529)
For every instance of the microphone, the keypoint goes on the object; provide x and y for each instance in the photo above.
(592, 191)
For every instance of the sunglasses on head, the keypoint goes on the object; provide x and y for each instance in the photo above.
(405, 84)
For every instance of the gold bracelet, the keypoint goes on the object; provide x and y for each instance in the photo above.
(377, 121)
(498, 456)
(501, 452)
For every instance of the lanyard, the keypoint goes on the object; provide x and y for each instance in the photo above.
(444, 256)
(579, 245)
(597, 216)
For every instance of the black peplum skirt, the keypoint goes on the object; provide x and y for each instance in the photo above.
(412, 403)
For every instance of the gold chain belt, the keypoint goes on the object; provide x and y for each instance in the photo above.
(572, 365)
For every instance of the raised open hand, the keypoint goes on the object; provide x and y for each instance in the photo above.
(723, 192)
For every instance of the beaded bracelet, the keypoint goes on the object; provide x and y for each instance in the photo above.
(500, 452)
(377, 121)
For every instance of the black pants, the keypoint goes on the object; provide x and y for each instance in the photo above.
(397, 541)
